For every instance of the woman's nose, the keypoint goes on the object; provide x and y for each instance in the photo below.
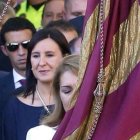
(42, 61)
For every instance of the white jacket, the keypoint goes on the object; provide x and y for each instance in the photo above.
(41, 132)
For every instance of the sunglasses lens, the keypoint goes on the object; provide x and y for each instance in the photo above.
(12, 47)
(25, 44)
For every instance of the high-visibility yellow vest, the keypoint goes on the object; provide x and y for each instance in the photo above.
(33, 15)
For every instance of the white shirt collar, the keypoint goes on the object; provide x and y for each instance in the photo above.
(17, 76)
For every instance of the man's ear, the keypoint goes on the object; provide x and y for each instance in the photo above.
(4, 50)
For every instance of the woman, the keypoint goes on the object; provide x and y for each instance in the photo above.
(46, 50)
(63, 86)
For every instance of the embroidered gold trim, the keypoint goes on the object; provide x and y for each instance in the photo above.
(136, 137)
(125, 53)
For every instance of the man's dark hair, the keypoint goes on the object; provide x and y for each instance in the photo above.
(61, 25)
(16, 24)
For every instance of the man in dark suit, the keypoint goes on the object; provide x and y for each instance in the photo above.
(16, 34)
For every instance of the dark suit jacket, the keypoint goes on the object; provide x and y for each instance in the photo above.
(3, 73)
(7, 89)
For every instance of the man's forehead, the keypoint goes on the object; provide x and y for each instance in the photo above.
(74, 4)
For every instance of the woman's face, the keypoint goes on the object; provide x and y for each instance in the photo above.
(67, 84)
(45, 57)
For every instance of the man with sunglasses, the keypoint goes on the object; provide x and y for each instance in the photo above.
(16, 34)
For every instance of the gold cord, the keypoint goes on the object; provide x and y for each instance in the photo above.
(99, 92)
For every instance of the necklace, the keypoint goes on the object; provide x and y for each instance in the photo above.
(42, 101)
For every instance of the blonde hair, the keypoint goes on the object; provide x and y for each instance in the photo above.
(69, 63)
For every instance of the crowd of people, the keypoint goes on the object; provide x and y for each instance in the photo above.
(38, 67)
(69, 69)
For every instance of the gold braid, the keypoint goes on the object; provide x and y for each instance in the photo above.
(99, 92)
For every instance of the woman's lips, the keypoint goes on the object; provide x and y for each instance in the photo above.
(44, 71)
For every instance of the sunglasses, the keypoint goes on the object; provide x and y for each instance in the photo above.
(14, 46)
